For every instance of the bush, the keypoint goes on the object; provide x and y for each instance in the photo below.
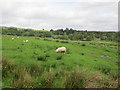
(22, 79)
(47, 79)
(53, 65)
(47, 39)
(104, 69)
(47, 55)
(35, 69)
(64, 41)
(68, 51)
(75, 79)
(42, 58)
(83, 44)
(7, 66)
(59, 57)
(36, 38)
(57, 40)
(107, 50)
(82, 53)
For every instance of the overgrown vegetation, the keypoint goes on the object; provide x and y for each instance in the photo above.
(38, 77)
(85, 64)
(62, 34)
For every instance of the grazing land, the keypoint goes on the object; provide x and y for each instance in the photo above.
(35, 64)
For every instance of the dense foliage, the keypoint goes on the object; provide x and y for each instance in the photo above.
(62, 34)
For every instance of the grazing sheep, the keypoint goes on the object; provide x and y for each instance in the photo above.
(12, 38)
(25, 41)
(61, 49)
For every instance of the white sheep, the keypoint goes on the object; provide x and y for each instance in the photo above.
(12, 38)
(26, 41)
(61, 49)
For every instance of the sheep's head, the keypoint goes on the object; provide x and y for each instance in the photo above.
(57, 50)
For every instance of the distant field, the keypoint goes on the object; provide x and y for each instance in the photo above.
(36, 64)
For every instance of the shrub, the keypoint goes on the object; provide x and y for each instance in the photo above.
(47, 79)
(22, 78)
(83, 44)
(35, 53)
(82, 53)
(98, 80)
(104, 69)
(64, 41)
(47, 39)
(57, 40)
(47, 55)
(35, 69)
(7, 66)
(36, 38)
(42, 58)
(18, 47)
(59, 57)
(68, 51)
(107, 50)
(75, 79)
(53, 65)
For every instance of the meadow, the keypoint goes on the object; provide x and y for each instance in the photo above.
(86, 64)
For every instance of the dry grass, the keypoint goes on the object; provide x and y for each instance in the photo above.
(75, 79)
(35, 76)
(22, 78)
(7, 66)
(48, 79)
(98, 80)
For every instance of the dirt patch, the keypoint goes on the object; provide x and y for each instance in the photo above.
(117, 63)
(102, 55)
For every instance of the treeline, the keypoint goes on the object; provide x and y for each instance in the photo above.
(67, 34)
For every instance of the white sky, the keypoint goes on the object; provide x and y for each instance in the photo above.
(53, 14)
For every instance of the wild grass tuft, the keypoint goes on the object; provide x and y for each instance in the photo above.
(7, 66)
(59, 57)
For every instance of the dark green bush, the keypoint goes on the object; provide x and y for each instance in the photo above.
(59, 57)
(7, 66)
(47, 39)
(47, 55)
(64, 41)
(104, 69)
(42, 58)
(83, 44)
(57, 40)
(82, 53)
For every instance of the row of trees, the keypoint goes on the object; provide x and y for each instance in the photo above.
(62, 34)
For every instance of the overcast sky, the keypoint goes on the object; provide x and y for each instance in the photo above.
(54, 14)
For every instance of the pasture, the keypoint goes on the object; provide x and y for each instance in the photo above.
(35, 64)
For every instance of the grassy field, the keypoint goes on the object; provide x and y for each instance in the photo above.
(86, 64)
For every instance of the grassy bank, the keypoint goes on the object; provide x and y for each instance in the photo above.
(91, 64)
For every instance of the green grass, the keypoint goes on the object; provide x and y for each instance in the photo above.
(42, 67)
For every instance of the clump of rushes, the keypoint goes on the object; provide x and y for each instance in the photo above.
(59, 57)
(82, 53)
(98, 80)
(64, 41)
(83, 44)
(22, 78)
(41, 58)
(7, 66)
(75, 79)
(57, 40)
(47, 79)
(47, 55)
